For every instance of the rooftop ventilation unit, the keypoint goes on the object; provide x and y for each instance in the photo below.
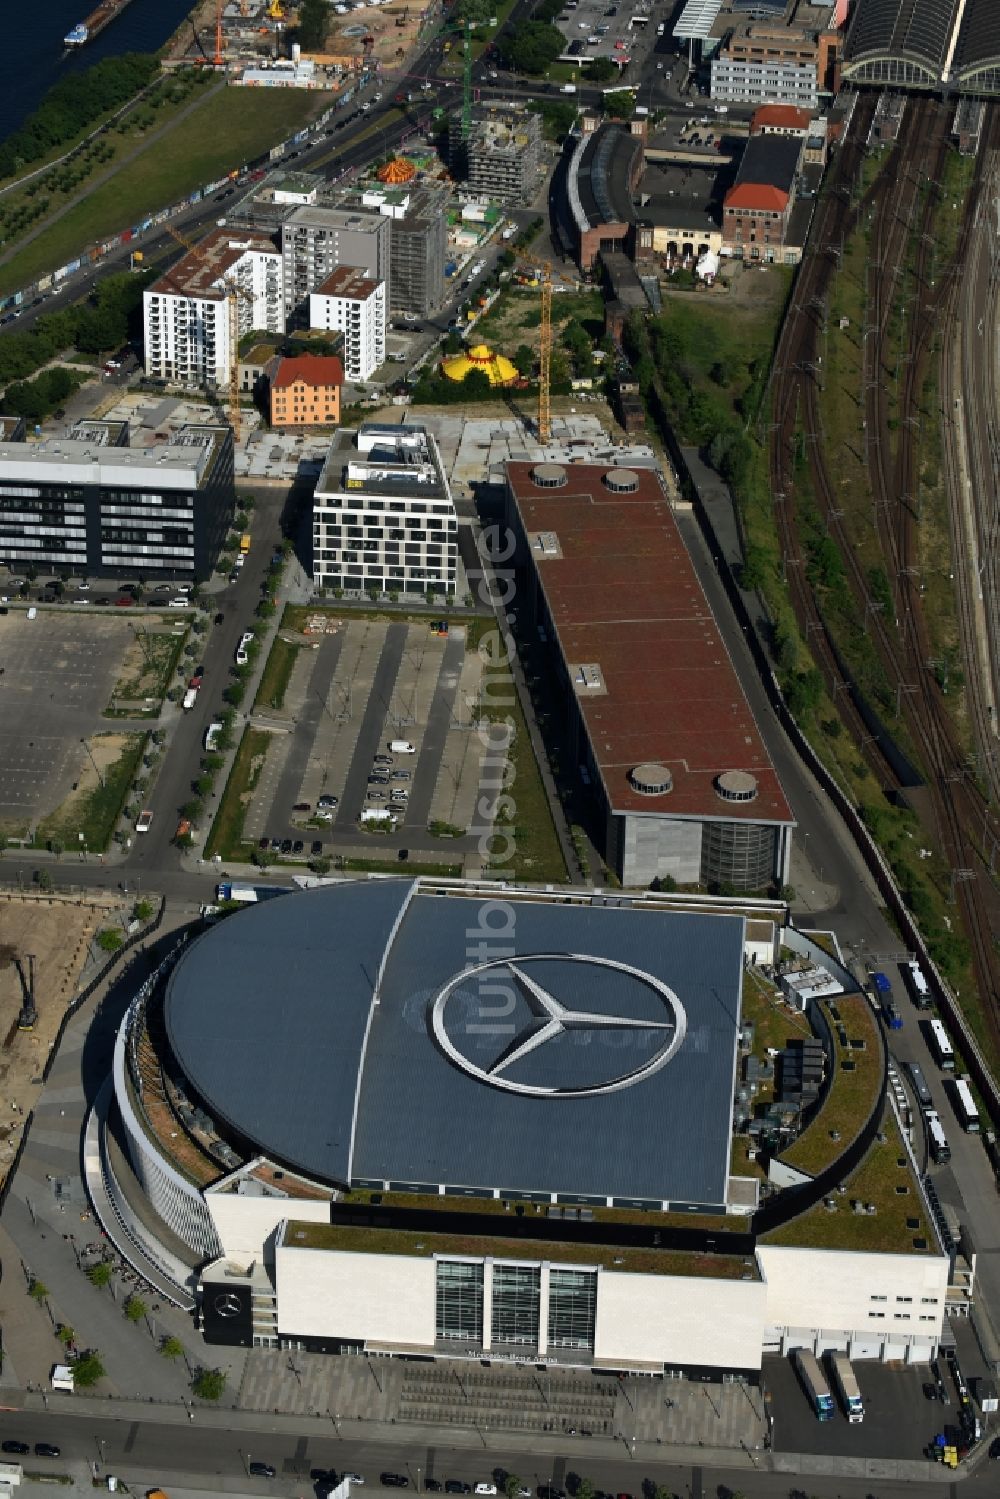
(651, 779)
(736, 786)
(548, 475)
(622, 480)
(589, 678)
(546, 543)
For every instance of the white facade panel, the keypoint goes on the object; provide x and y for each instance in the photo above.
(362, 322)
(679, 1320)
(896, 1300)
(375, 1298)
(244, 1224)
(186, 338)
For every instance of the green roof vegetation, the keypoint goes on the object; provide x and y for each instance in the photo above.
(853, 1089)
(609, 1256)
(899, 1218)
(495, 1206)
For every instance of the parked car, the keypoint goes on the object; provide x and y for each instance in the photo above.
(433, 1485)
(286, 845)
(394, 1481)
(18, 1449)
(261, 1470)
(355, 1478)
(298, 846)
(456, 1486)
(316, 848)
(47, 1449)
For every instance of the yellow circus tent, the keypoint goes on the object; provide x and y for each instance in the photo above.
(499, 370)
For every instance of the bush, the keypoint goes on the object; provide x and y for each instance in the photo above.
(135, 1308)
(171, 1347)
(87, 1369)
(109, 940)
(209, 1384)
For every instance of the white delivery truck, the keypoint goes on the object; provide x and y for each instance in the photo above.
(401, 747)
(847, 1388)
(190, 698)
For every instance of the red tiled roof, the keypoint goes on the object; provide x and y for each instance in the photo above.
(312, 369)
(623, 595)
(756, 195)
(787, 115)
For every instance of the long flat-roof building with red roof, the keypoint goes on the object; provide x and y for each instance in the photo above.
(655, 713)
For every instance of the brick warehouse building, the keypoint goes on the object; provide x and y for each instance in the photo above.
(757, 209)
(655, 715)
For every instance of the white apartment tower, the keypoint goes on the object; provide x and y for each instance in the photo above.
(383, 515)
(352, 303)
(186, 312)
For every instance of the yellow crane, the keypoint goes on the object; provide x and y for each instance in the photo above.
(541, 276)
(233, 293)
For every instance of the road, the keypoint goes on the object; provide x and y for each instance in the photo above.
(149, 1451)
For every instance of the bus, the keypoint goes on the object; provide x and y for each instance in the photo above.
(913, 977)
(244, 544)
(812, 1381)
(965, 1106)
(919, 1085)
(847, 1388)
(940, 1149)
(944, 1052)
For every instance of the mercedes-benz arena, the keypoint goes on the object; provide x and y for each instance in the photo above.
(396, 1117)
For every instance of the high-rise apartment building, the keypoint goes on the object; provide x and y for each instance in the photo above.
(315, 241)
(418, 215)
(186, 322)
(352, 303)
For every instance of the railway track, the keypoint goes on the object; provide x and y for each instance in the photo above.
(901, 223)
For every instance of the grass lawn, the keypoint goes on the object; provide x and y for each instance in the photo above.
(610, 1256)
(851, 1094)
(230, 127)
(96, 815)
(277, 674)
(880, 1180)
(393, 866)
(149, 669)
(226, 837)
(537, 854)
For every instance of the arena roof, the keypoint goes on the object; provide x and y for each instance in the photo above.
(340, 1032)
(623, 595)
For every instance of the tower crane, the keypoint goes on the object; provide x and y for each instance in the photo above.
(233, 292)
(544, 277)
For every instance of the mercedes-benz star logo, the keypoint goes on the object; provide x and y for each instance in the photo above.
(551, 1020)
(228, 1304)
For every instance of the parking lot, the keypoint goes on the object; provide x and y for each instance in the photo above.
(57, 672)
(358, 685)
(899, 1419)
(617, 29)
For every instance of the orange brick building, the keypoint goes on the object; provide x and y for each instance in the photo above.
(305, 391)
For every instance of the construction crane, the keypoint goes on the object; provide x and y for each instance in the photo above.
(233, 292)
(541, 276)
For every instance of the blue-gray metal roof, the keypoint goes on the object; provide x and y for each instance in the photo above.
(268, 1015)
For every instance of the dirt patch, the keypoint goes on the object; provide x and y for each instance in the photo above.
(58, 932)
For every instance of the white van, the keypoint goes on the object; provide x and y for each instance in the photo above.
(377, 814)
(401, 747)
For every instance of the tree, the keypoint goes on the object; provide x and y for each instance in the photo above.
(314, 17)
(511, 1484)
(135, 1308)
(109, 940)
(87, 1369)
(143, 910)
(171, 1348)
(531, 48)
(475, 11)
(99, 1274)
(476, 386)
(261, 857)
(319, 866)
(38, 1290)
(65, 1334)
(525, 360)
(619, 105)
(209, 1384)
(600, 70)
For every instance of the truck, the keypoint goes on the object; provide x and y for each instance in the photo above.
(401, 747)
(190, 698)
(846, 1386)
(145, 818)
(568, 88)
(812, 1381)
(377, 814)
(244, 544)
(212, 735)
(243, 895)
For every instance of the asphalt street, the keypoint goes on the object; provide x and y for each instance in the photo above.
(206, 1454)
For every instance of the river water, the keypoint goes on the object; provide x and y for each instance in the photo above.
(33, 58)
